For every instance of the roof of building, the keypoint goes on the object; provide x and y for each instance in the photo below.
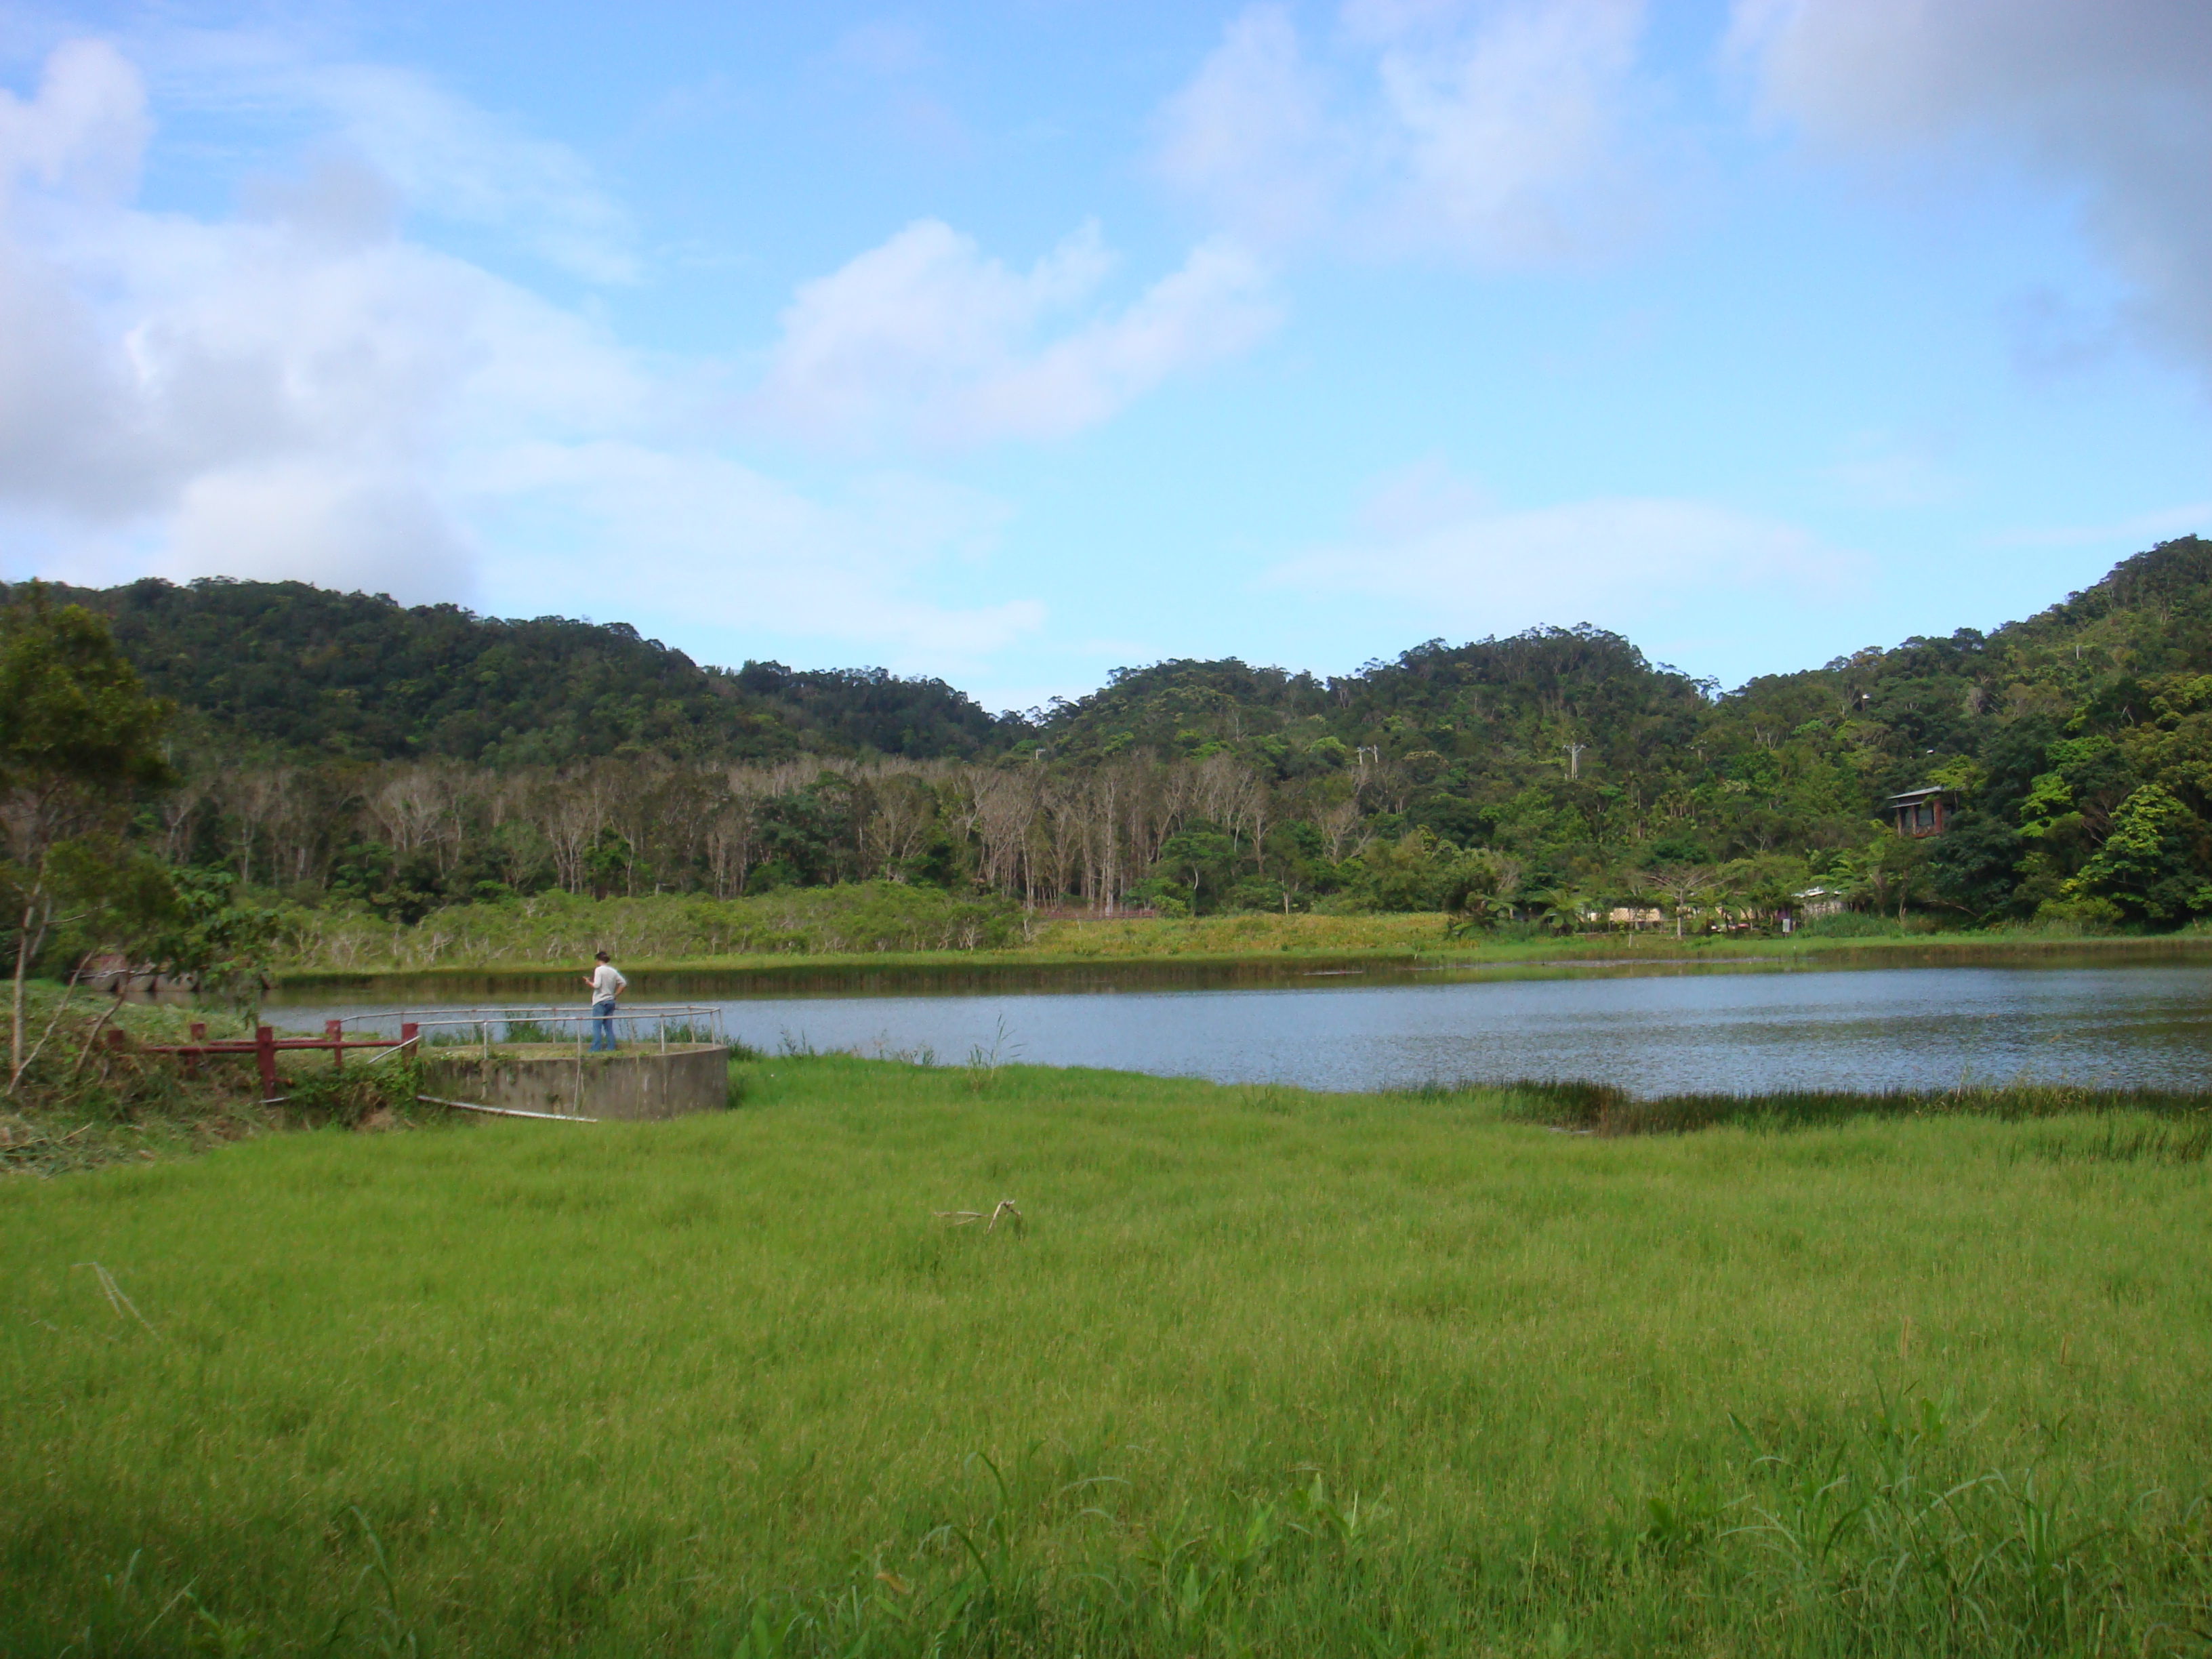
(1912, 795)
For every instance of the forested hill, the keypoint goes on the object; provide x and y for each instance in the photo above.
(290, 670)
(2076, 746)
(285, 671)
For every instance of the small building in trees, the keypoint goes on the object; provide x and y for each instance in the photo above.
(1919, 813)
(1810, 904)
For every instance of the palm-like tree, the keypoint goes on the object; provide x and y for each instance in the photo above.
(1563, 908)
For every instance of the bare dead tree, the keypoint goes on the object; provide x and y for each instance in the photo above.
(902, 808)
(1340, 826)
(181, 809)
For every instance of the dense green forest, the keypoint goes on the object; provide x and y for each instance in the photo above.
(342, 750)
(280, 670)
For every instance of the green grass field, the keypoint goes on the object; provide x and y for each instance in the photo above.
(1264, 1372)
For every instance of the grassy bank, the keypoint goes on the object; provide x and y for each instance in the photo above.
(885, 926)
(1264, 1372)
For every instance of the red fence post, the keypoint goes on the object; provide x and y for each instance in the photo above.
(198, 1032)
(408, 1033)
(265, 1055)
(334, 1034)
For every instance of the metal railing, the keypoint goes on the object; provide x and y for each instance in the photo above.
(694, 1022)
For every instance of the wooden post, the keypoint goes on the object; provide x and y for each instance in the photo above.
(264, 1056)
(408, 1033)
(198, 1033)
(334, 1034)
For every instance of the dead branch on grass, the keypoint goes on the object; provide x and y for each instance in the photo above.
(1005, 1210)
(116, 1298)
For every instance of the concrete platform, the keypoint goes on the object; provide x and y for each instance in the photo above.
(546, 1079)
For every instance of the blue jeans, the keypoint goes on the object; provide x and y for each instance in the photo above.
(603, 1026)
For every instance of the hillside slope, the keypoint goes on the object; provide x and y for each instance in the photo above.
(288, 670)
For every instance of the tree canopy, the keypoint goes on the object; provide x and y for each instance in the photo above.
(349, 749)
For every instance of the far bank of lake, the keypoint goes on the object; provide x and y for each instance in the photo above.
(1221, 952)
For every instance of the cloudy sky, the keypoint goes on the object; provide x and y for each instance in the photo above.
(1018, 340)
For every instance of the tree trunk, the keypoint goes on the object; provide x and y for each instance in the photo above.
(26, 943)
(15, 1009)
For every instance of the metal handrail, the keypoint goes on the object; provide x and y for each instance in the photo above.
(447, 1014)
(484, 1019)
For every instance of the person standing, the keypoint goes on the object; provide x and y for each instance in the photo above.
(607, 984)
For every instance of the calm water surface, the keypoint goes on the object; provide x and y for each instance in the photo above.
(2149, 1026)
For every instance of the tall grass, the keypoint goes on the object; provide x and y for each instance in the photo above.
(1267, 1373)
(561, 930)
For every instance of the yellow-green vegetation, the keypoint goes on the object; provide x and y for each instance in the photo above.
(888, 924)
(864, 923)
(1238, 935)
(1262, 1372)
(1425, 936)
(557, 930)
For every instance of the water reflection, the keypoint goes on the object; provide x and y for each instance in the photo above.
(2147, 1026)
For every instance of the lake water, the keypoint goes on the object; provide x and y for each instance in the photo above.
(1652, 1032)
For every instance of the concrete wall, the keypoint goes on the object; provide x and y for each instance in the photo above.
(630, 1082)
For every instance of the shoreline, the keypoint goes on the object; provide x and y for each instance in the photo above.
(1261, 959)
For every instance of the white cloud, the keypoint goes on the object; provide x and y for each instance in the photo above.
(302, 391)
(1494, 132)
(927, 337)
(703, 538)
(278, 389)
(1475, 569)
(2108, 101)
(1253, 134)
(456, 160)
(381, 532)
(83, 130)
(446, 156)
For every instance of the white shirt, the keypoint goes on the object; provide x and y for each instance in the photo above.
(606, 983)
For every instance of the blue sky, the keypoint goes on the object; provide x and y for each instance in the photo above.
(1015, 343)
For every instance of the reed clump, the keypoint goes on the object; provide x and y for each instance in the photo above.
(2181, 1127)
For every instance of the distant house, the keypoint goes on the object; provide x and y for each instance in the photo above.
(1809, 905)
(1920, 812)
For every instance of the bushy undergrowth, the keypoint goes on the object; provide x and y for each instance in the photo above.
(87, 1099)
(1266, 1373)
(1858, 924)
(559, 928)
